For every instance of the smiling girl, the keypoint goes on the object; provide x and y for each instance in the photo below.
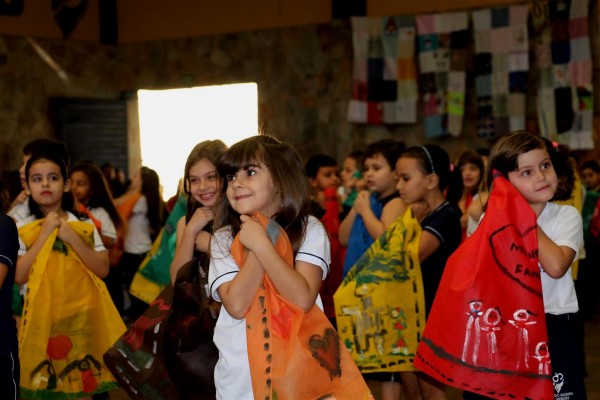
(202, 185)
(268, 258)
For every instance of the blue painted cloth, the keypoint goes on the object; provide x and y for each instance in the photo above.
(360, 239)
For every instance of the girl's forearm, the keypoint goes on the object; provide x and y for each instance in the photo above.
(555, 259)
(346, 227)
(290, 283)
(184, 252)
(25, 261)
(95, 261)
(373, 224)
(238, 294)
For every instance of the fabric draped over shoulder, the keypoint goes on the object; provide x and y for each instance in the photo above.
(486, 332)
(69, 321)
(293, 354)
(153, 273)
(380, 307)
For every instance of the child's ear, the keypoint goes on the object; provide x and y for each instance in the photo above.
(312, 182)
(27, 189)
(67, 186)
(433, 180)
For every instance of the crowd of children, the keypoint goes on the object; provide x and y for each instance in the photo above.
(275, 237)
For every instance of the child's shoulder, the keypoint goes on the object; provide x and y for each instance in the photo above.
(554, 211)
(26, 220)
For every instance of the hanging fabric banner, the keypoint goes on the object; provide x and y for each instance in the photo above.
(478, 338)
(384, 88)
(565, 90)
(501, 64)
(442, 43)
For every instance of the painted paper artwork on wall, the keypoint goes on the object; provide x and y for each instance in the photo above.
(380, 307)
(565, 92)
(501, 63)
(477, 338)
(384, 88)
(442, 43)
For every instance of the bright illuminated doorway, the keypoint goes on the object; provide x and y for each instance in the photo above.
(173, 121)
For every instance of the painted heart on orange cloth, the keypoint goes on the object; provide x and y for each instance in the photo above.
(326, 350)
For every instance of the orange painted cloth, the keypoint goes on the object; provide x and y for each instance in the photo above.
(293, 354)
(486, 332)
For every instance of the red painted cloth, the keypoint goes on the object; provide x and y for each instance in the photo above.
(331, 222)
(487, 329)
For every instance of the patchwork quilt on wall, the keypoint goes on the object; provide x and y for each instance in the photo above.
(563, 56)
(501, 63)
(384, 78)
(442, 42)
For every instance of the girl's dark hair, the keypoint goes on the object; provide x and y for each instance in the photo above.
(99, 192)
(289, 179)
(390, 150)
(4, 198)
(559, 155)
(432, 159)
(505, 153)
(12, 184)
(358, 156)
(314, 163)
(472, 157)
(67, 201)
(156, 206)
(209, 149)
(591, 164)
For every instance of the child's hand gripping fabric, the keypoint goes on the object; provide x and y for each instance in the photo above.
(281, 337)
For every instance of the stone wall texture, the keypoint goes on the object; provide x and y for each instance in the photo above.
(304, 77)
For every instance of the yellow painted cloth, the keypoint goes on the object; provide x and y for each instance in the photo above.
(576, 200)
(142, 287)
(68, 323)
(380, 308)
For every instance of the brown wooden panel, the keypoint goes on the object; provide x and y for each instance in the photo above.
(387, 7)
(37, 20)
(159, 19)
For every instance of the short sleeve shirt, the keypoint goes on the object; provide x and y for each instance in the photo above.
(563, 225)
(232, 372)
(108, 227)
(444, 224)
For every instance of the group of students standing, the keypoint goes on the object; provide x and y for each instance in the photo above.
(253, 219)
(449, 199)
(76, 247)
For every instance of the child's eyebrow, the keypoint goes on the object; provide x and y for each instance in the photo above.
(245, 167)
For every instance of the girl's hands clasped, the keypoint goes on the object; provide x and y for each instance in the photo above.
(252, 234)
(202, 216)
